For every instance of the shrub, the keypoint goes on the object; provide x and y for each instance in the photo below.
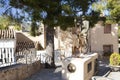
(115, 59)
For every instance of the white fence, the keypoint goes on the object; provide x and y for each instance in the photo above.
(6, 56)
(61, 54)
(26, 56)
(44, 57)
(58, 56)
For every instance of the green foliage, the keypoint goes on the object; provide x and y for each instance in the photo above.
(115, 59)
(114, 8)
(34, 29)
(93, 20)
(119, 31)
(53, 12)
(6, 21)
(100, 6)
(17, 27)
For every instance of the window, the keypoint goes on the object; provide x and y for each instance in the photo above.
(89, 67)
(107, 28)
(96, 66)
(1, 60)
(107, 49)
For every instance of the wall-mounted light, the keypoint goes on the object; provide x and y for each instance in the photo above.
(71, 68)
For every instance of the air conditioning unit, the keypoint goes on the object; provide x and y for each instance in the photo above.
(82, 68)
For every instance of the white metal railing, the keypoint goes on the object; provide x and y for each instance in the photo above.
(9, 57)
(26, 56)
(6, 56)
(44, 57)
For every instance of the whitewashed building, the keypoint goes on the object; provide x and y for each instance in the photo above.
(104, 39)
(7, 47)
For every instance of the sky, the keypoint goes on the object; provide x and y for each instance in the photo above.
(3, 7)
(13, 10)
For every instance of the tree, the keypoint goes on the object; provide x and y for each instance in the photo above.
(34, 29)
(109, 7)
(100, 6)
(6, 21)
(52, 12)
(114, 8)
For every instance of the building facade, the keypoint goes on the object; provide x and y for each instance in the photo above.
(104, 39)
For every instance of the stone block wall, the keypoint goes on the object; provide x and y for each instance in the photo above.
(20, 72)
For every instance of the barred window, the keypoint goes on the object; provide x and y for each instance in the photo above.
(107, 49)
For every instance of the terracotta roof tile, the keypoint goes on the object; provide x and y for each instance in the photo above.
(24, 45)
(23, 42)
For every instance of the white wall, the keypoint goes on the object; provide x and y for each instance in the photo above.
(7, 43)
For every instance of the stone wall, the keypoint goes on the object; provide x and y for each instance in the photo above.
(98, 38)
(19, 72)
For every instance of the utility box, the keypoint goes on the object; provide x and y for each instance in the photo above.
(82, 68)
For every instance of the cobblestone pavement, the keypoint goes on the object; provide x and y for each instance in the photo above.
(55, 74)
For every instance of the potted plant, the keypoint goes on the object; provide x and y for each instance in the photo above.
(115, 61)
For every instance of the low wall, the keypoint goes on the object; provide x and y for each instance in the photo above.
(19, 72)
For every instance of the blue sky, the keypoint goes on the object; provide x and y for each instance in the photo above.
(1, 10)
(6, 6)
(3, 7)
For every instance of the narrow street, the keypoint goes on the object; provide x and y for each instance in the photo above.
(55, 74)
(47, 74)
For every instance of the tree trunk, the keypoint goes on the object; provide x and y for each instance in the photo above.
(50, 45)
